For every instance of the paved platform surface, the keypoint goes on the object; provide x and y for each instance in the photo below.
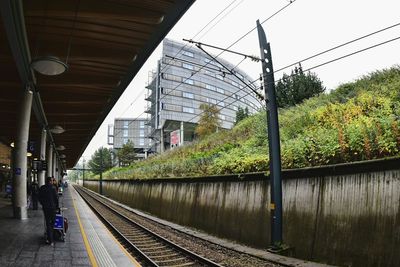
(87, 242)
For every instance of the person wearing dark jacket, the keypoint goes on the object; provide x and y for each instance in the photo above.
(49, 200)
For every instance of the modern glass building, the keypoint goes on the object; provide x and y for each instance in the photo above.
(134, 130)
(184, 79)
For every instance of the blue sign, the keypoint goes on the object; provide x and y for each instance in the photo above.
(59, 222)
(31, 146)
(8, 189)
(17, 171)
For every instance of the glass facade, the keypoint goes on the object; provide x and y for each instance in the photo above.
(186, 82)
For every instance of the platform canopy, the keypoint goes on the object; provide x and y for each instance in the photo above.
(103, 43)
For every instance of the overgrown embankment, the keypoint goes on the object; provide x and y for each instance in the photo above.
(357, 121)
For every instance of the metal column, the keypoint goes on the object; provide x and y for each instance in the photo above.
(20, 159)
(83, 178)
(54, 164)
(42, 173)
(273, 141)
(101, 172)
(50, 161)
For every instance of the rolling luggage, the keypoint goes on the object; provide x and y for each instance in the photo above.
(60, 226)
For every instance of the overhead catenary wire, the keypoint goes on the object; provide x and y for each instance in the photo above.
(231, 72)
(327, 62)
(214, 18)
(338, 46)
(344, 56)
(134, 100)
(265, 20)
(194, 63)
(227, 72)
(204, 27)
(317, 66)
(235, 42)
(353, 53)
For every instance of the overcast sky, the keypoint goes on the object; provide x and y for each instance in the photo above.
(304, 28)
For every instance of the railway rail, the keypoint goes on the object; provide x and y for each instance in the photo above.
(147, 246)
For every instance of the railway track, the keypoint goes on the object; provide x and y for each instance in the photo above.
(145, 245)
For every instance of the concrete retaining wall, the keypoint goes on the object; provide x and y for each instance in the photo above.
(345, 214)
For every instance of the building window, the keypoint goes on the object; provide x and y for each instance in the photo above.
(211, 62)
(222, 104)
(187, 66)
(234, 83)
(141, 141)
(141, 124)
(188, 53)
(171, 77)
(239, 75)
(125, 124)
(110, 129)
(110, 140)
(220, 90)
(125, 140)
(141, 133)
(188, 95)
(188, 110)
(189, 81)
(212, 101)
(235, 108)
(210, 87)
(209, 73)
(125, 133)
(222, 117)
(219, 77)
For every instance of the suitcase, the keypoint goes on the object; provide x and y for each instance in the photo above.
(60, 226)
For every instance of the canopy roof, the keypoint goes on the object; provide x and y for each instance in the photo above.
(104, 43)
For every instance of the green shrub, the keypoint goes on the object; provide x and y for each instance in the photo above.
(357, 121)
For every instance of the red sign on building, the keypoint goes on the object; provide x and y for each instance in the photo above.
(175, 138)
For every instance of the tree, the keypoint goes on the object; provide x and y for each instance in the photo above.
(295, 88)
(126, 154)
(241, 114)
(209, 120)
(101, 160)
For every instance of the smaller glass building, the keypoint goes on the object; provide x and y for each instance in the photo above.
(134, 130)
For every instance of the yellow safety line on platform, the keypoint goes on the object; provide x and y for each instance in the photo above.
(137, 264)
(85, 240)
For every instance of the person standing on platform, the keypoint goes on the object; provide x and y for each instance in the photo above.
(35, 194)
(49, 200)
(54, 183)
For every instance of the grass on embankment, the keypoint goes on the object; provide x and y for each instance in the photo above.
(357, 121)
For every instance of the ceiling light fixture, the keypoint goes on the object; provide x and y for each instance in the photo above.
(57, 129)
(60, 147)
(49, 65)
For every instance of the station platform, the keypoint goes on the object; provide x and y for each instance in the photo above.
(87, 242)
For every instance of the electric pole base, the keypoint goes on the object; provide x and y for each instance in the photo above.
(281, 249)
